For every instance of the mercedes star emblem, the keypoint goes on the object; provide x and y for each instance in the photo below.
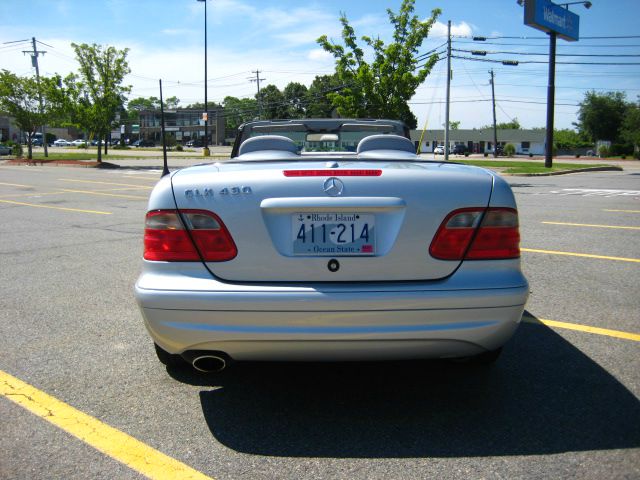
(333, 187)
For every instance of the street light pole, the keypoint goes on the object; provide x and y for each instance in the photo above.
(446, 111)
(205, 150)
(536, 15)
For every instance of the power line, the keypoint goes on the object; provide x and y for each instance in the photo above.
(512, 62)
(497, 37)
(567, 45)
(508, 52)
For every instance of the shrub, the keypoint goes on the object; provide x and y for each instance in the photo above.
(17, 150)
(531, 155)
(604, 151)
(179, 148)
(621, 149)
(509, 150)
(577, 155)
(486, 154)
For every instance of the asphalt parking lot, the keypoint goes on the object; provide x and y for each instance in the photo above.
(83, 396)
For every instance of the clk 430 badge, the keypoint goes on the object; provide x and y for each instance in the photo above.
(236, 191)
(208, 192)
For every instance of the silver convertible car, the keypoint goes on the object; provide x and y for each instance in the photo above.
(330, 240)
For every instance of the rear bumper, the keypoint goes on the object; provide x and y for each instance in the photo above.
(186, 309)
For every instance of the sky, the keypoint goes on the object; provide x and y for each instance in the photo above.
(165, 39)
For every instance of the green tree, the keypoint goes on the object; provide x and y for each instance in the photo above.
(631, 126)
(382, 88)
(200, 106)
(566, 139)
(172, 103)
(271, 103)
(98, 92)
(20, 98)
(239, 110)
(512, 125)
(319, 105)
(601, 115)
(144, 103)
(295, 97)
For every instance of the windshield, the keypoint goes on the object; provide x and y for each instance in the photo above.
(321, 135)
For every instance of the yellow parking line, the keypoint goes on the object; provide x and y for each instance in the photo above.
(583, 328)
(585, 255)
(105, 183)
(105, 194)
(117, 189)
(15, 185)
(142, 176)
(623, 211)
(55, 208)
(32, 194)
(104, 438)
(591, 225)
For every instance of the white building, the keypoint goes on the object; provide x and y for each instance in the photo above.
(481, 141)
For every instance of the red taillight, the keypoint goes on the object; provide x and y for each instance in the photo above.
(332, 173)
(497, 237)
(167, 239)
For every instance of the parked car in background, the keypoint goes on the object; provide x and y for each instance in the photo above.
(330, 240)
(79, 143)
(61, 142)
(439, 150)
(5, 149)
(197, 142)
(143, 143)
(459, 149)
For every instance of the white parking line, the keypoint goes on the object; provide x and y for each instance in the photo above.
(597, 192)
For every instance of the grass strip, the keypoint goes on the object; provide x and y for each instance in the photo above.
(507, 166)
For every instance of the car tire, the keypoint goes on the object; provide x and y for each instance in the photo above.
(169, 359)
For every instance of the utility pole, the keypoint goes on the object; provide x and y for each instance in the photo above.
(551, 98)
(34, 61)
(446, 115)
(493, 101)
(258, 80)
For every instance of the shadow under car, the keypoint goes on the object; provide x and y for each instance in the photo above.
(543, 396)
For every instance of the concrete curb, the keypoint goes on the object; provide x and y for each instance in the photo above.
(611, 168)
(62, 163)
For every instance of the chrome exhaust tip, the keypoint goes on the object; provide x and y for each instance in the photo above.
(209, 363)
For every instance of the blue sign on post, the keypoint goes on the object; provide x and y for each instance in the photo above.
(549, 17)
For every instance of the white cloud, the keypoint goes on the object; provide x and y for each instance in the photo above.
(319, 55)
(439, 29)
(177, 31)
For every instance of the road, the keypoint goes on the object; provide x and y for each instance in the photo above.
(562, 401)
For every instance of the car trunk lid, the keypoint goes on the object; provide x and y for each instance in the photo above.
(336, 221)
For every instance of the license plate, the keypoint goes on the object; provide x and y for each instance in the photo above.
(333, 234)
